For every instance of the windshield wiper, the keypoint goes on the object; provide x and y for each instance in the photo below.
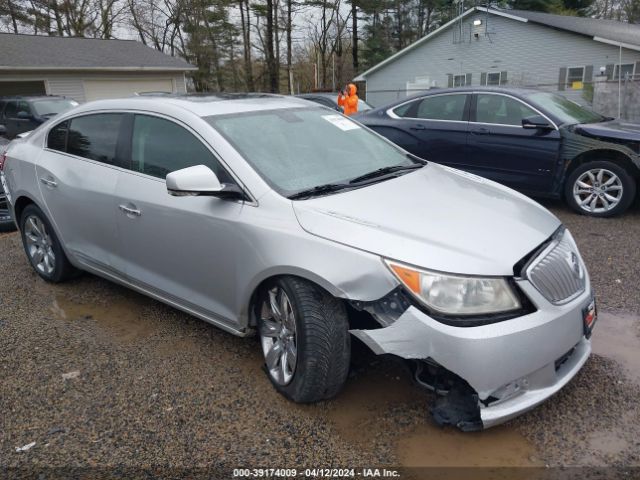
(380, 172)
(319, 190)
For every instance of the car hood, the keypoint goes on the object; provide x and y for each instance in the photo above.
(436, 218)
(614, 129)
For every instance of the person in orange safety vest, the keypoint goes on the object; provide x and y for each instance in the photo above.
(348, 100)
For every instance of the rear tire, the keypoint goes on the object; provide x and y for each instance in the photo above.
(600, 189)
(43, 248)
(300, 318)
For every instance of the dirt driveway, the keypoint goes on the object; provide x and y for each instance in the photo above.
(101, 378)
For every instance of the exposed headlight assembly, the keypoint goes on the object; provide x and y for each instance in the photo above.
(457, 295)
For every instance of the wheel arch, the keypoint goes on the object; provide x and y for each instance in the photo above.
(20, 204)
(603, 154)
(250, 297)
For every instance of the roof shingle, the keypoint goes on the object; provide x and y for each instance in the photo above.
(77, 53)
(594, 27)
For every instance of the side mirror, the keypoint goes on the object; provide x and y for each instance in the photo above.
(23, 115)
(200, 180)
(536, 122)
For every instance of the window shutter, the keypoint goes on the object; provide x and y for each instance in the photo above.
(588, 74)
(609, 71)
(562, 78)
(449, 80)
(503, 78)
(467, 80)
(483, 78)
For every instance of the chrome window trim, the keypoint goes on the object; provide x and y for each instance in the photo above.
(391, 113)
(252, 200)
(555, 126)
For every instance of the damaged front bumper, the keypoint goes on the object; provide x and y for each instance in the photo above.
(512, 365)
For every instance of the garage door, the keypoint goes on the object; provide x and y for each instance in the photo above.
(98, 89)
(22, 88)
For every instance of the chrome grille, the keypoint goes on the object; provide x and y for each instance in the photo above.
(558, 273)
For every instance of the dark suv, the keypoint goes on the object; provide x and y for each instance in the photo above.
(23, 114)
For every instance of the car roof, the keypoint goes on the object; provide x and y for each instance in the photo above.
(203, 105)
(318, 94)
(516, 91)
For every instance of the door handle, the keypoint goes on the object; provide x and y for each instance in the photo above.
(48, 182)
(481, 131)
(418, 127)
(130, 211)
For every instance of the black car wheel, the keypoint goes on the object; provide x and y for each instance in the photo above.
(304, 334)
(600, 189)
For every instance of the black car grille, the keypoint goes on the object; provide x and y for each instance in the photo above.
(4, 207)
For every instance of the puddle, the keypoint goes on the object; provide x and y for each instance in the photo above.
(431, 446)
(358, 407)
(122, 318)
(615, 336)
(359, 412)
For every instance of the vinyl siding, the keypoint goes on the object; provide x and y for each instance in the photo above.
(70, 84)
(531, 54)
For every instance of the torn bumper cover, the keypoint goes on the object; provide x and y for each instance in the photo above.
(512, 365)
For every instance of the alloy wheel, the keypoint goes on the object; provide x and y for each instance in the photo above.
(39, 245)
(277, 326)
(598, 190)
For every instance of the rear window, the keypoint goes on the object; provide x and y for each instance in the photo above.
(95, 137)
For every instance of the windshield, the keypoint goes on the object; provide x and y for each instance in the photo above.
(53, 107)
(566, 110)
(299, 149)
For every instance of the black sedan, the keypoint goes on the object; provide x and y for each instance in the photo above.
(537, 142)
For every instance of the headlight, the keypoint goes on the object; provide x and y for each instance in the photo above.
(457, 295)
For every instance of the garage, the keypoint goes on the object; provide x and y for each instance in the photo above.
(86, 69)
(22, 88)
(97, 89)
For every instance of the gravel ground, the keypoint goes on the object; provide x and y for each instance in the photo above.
(101, 377)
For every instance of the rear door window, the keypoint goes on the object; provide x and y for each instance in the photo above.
(57, 139)
(436, 107)
(442, 107)
(160, 146)
(95, 136)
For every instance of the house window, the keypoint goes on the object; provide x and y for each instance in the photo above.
(493, 78)
(459, 80)
(575, 77)
(627, 71)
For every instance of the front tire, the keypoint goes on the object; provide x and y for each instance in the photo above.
(600, 189)
(304, 334)
(42, 246)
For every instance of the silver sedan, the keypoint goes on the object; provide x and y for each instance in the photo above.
(271, 215)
